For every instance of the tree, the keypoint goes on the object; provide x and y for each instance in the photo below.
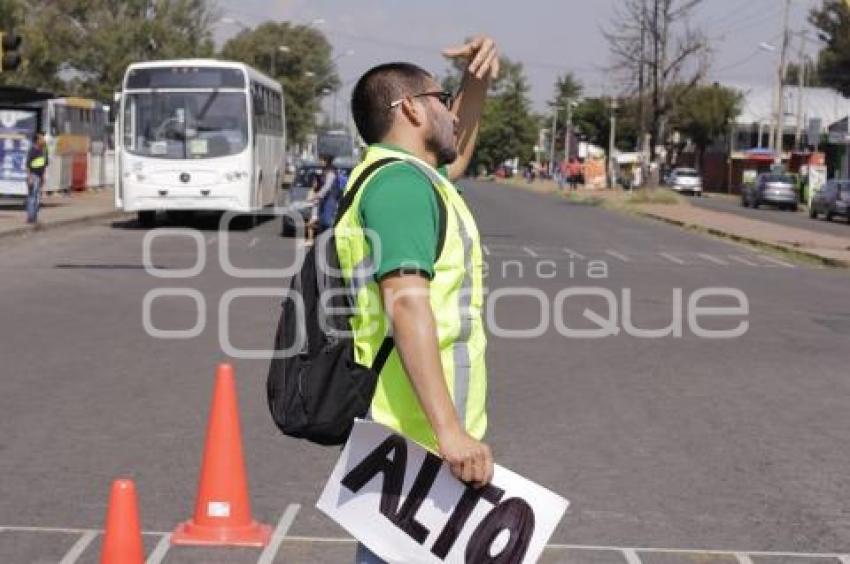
(654, 48)
(832, 20)
(508, 128)
(705, 115)
(811, 76)
(304, 68)
(592, 119)
(83, 47)
(568, 89)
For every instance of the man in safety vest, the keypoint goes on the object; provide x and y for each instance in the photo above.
(409, 249)
(36, 165)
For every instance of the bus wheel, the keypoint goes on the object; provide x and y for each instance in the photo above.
(147, 218)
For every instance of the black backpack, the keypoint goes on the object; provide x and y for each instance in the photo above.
(316, 393)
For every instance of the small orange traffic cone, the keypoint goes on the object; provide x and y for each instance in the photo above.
(122, 542)
(222, 510)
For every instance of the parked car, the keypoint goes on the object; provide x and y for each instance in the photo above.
(307, 175)
(831, 200)
(775, 189)
(686, 180)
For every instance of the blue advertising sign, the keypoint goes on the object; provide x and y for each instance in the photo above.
(17, 128)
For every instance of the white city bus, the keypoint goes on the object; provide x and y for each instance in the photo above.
(198, 134)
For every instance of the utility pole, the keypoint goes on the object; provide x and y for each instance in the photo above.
(611, 137)
(801, 84)
(567, 139)
(641, 80)
(552, 140)
(780, 103)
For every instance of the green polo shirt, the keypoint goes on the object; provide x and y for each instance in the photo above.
(400, 206)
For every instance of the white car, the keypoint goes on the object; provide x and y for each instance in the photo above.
(686, 180)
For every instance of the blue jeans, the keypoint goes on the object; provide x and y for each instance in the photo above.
(33, 199)
(366, 556)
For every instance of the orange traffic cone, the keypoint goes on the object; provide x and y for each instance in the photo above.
(222, 510)
(122, 543)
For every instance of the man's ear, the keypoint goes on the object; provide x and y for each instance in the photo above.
(413, 112)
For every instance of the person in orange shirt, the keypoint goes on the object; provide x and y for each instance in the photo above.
(574, 173)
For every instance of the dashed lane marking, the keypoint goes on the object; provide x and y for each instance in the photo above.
(776, 261)
(572, 253)
(743, 260)
(78, 548)
(671, 258)
(159, 550)
(530, 252)
(714, 259)
(617, 255)
(279, 534)
(485, 249)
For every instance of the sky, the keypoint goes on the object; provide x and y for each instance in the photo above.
(550, 37)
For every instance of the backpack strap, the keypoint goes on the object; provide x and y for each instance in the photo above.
(383, 354)
(348, 197)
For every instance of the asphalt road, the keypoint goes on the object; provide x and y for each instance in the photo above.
(669, 442)
(799, 219)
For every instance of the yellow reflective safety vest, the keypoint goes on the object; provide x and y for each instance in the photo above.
(456, 294)
(39, 162)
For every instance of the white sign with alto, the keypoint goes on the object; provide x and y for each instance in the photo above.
(403, 503)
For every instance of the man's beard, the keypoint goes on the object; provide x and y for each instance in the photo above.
(441, 143)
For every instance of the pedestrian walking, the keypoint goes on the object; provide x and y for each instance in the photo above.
(426, 278)
(574, 173)
(36, 167)
(323, 199)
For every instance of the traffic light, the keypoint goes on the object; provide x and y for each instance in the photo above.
(10, 59)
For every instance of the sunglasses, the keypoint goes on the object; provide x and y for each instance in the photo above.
(445, 98)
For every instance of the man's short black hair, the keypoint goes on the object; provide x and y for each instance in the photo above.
(377, 89)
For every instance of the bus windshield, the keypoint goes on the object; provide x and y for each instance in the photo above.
(185, 125)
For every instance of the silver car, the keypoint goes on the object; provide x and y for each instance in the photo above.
(778, 190)
(686, 180)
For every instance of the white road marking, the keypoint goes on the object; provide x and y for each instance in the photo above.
(159, 550)
(631, 556)
(295, 538)
(64, 530)
(485, 249)
(671, 258)
(572, 253)
(714, 259)
(530, 252)
(776, 261)
(253, 242)
(286, 520)
(617, 255)
(79, 547)
(292, 509)
(743, 260)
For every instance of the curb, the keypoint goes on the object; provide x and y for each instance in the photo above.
(42, 227)
(826, 261)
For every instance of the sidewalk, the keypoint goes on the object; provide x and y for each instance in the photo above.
(58, 210)
(829, 249)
